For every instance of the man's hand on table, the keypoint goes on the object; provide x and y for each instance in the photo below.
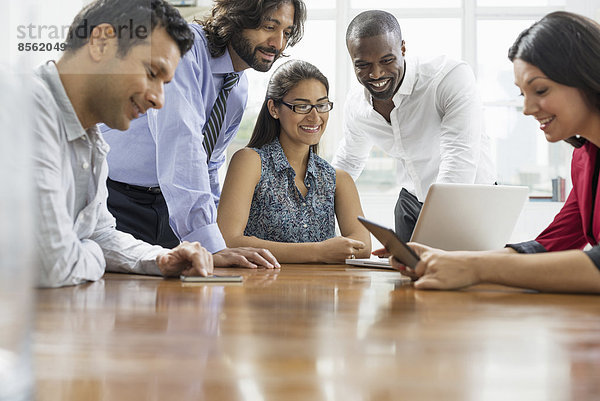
(188, 259)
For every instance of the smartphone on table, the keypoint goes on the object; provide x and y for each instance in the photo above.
(211, 279)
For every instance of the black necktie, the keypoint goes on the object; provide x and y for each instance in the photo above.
(213, 125)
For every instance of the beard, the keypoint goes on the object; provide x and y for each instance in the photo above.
(244, 49)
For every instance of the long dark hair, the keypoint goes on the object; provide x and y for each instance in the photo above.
(566, 48)
(284, 79)
(229, 17)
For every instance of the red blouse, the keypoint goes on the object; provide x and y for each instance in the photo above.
(571, 226)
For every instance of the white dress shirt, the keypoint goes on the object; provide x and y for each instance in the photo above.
(76, 235)
(436, 131)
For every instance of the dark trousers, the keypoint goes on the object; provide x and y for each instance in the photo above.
(141, 213)
(406, 214)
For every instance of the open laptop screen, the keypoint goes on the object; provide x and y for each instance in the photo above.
(469, 217)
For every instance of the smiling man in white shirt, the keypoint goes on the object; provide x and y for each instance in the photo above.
(427, 116)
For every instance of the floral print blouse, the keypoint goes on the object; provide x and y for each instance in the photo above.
(279, 212)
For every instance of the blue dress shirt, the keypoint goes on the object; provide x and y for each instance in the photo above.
(164, 147)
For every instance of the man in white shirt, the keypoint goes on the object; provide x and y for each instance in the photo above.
(428, 116)
(105, 75)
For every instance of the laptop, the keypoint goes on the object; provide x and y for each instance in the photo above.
(469, 217)
(464, 217)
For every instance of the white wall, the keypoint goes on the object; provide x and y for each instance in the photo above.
(35, 21)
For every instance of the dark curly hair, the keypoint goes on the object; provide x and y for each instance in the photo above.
(229, 17)
(133, 22)
(566, 48)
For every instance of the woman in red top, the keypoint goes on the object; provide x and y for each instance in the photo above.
(557, 67)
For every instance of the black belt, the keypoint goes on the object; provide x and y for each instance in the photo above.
(149, 190)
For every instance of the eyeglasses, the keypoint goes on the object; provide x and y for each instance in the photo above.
(307, 108)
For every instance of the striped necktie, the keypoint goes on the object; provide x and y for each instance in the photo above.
(213, 125)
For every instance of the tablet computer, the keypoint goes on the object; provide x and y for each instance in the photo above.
(392, 243)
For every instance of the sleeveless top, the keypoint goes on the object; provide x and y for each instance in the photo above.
(279, 212)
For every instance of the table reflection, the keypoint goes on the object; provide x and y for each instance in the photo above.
(308, 332)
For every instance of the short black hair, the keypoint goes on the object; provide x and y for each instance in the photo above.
(229, 17)
(566, 48)
(373, 23)
(132, 20)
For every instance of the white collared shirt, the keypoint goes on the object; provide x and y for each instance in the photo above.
(76, 235)
(436, 131)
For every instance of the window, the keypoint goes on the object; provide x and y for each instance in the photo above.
(523, 156)
(316, 48)
(520, 3)
(477, 31)
(389, 4)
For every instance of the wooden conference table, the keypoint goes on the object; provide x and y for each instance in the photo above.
(312, 333)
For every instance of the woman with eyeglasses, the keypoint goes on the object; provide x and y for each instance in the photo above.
(278, 194)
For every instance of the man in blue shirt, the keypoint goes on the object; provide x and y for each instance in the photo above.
(161, 186)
